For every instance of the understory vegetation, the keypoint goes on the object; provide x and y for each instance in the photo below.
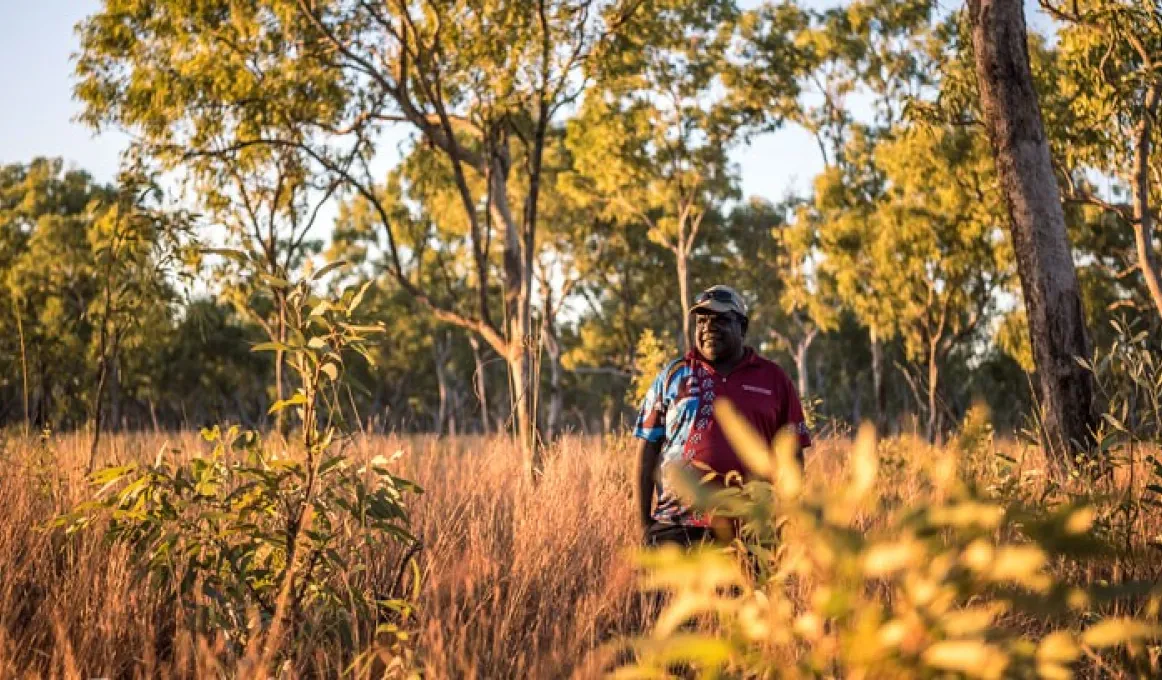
(523, 579)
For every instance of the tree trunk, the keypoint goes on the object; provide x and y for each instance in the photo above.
(556, 395)
(802, 351)
(23, 367)
(481, 383)
(683, 264)
(877, 365)
(801, 365)
(279, 362)
(440, 351)
(552, 347)
(153, 416)
(115, 415)
(933, 429)
(518, 309)
(1044, 262)
(523, 397)
(519, 361)
(98, 404)
(1143, 217)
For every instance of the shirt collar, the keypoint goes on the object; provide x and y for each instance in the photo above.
(749, 356)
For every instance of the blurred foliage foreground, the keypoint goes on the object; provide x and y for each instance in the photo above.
(1026, 578)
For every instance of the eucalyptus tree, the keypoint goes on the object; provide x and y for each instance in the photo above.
(479, 83)
(1109, 53)
(877, 51)
(89, 269)
(1012, 116)
(655, 134)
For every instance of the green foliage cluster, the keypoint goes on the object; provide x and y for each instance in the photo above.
(264, 541)
(563, 186)
(965, 586)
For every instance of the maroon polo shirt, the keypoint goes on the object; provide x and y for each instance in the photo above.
(762, 394)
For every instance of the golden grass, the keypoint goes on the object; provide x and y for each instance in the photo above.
(520, 580)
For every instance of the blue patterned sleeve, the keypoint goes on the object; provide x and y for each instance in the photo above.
(651, 418)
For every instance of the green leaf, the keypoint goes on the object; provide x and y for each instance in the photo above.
(229, 253)
(274, 281)
(328, 268)
(355, 301)
(298, 399)
(271, 346)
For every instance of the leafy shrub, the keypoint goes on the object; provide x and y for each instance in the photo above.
(262, 542)
(960, 587)
(651, 356)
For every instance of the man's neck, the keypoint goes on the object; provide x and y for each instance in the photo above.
(725, 366)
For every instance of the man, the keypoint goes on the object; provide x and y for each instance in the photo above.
(677, 423)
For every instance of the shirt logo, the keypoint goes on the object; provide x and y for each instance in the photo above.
(760, 390)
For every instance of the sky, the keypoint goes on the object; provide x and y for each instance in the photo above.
(37, 40)
(37, 117)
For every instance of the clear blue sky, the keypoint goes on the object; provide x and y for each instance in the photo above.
(36, 118)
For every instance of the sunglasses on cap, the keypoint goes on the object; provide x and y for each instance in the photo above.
(715, 295)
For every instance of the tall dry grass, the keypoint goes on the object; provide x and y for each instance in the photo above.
(519, 580)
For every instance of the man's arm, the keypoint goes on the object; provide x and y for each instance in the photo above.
(650, 452)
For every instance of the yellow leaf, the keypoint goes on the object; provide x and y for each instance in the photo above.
(864, 464)
(1114, 632)
(971, 657)
(968, 514)
(1058, 647)
(970, 621)
(1052, 671)
(888, 558)
(1080, 521)
(1017, 563)
(750, 447)
(789, 482)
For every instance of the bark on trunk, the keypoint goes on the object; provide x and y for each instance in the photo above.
(1143, 217)
(1048, 279)
(520, 375)
(683, 265)
(518, 307)
(556, 396)
(519, 369)
(98, 407)
(933, 429)
(115, 416)
(801, 366)
(279, 363)
(153, 416)
(23, 368)
(878, 394)
(802, 354)
(481, 383)
(440, 350)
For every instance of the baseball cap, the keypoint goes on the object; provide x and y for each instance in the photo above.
(720, 299)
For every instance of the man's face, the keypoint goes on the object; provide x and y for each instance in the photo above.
(717, 336)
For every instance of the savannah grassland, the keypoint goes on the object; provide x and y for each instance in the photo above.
(519, 580)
